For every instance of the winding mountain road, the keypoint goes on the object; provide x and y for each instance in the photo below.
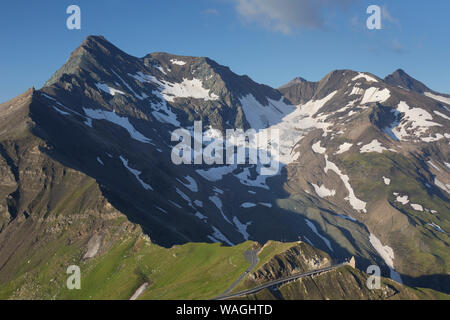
(252, 257)
(293, 277)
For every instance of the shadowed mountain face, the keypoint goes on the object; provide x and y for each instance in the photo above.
(364, 165)
(401, 79)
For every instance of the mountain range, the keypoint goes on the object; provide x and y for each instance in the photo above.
(87, 179)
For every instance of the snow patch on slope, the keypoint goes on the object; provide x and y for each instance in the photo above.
(414, 122)
(314, 229)
(401, 199)
(440, 114)
(387, 254)
(374, 146)
(111, 116)
(317, 148)
(218, 236)
(191, 185)
(437, 97)
(260, 116)
(178, 62)
(357, 204)
(136, 173)
(218, 203)
(365, 76)
(322, 191)
(242, 228)
(375, 95)
(344, 147)
(105, 88)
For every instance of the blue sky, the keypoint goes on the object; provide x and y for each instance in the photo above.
(272, 41)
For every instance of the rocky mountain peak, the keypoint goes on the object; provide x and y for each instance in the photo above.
(401, 79)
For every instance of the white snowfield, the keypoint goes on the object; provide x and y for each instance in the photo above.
(215, 173)
(266, 204)
(136, 173)
(217, 190)
(248, 205)
(387, 254)
(191, 185)
(198, 203)
(61, 112)
(438, 98)
(356, 203)
(401, 199)
(242, 228)
(436, 227)
(218, 236)
(169, 91)
(260, 116)
(414, 122)
(355, 91)
(375, 95)
(317, 148)
(218, 203)
(201, 216)
(443, 186)
(433, 165)
(374, 146)
(344, 147)
(124, 122)
(162, 112)
(314, 229)
(440, 114)
(365, 77)
(322, 191)
(386, 180)
(140, 97)
(187, 89)
(178, 62)
(291, 122)
(259, 181)
(161, 69)
(105, 88)
(251, 204)
(416, 206)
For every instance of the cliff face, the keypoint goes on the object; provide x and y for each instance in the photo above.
(343, 283)
(51, 214)
(297, 259)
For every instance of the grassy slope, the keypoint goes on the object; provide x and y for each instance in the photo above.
(190, 271)
(420, 246)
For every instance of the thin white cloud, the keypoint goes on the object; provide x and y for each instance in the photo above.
(386, 16)
(397, 46)
(211, 11)
(287, 15)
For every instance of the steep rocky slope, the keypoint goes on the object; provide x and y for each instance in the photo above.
(363, 166)
(343, 283)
